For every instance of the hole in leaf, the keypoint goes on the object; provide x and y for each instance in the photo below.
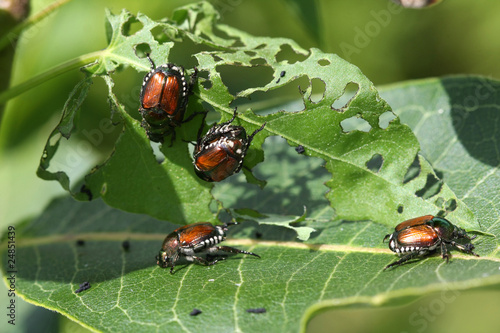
(204, 80)
(159, 34)
(260, 47)
(385, 118)
(250, 53)
(355, 123)
(142, 49)
(318, 90)
(350, 91)
(216, 58)
(431, 188)
(239, 78)
(131, 26)
(160, 157)
(53, 139)
(441, 213)
(237, 42)
(324, 62)
(290, 89)
(413, 171)
(451, 205)
(287, 54)
(440, 202)
(258, 61)
(375, 163)
(400, 209)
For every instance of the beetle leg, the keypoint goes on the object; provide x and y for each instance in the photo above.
(407, 257)
(194, 114)
(444, 252)
(233, 250)
(206, 262)
(467, 248)
(386, 236)
(192, 80)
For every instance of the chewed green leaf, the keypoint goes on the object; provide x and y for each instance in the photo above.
(131, 179)
(63, 129)
(456, 121)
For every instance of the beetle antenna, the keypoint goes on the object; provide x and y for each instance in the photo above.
(255, 132)
(151, 61)
(234, 115)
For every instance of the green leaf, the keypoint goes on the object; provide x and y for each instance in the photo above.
(132, 180)
(341, 265)
(456, 120)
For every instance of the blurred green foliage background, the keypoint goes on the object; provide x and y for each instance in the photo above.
(389, 44)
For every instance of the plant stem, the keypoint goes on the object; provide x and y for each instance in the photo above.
(49, 74)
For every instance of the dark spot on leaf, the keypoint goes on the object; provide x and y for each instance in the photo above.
(400, 209)
(413, 171)
(385, 119)
(84, 286)
(258, 235)
(281, 75)
(324, 62)
(355, 123)
(300, 149)
(80, 242)
(257, 310)
(126, 245)
(195, 312)
(286, 53)
(131, 26)
(350, 91)
(432, 187)
(86, 190)
(374, 164)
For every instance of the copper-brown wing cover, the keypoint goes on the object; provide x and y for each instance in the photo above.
(420, 235)
(170, 96)
(195, 233)
(153, 90)
(414, 222)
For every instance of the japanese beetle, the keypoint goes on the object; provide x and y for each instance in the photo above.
(422, 235)
(164, 97)
(220, 153)
(193, 239)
